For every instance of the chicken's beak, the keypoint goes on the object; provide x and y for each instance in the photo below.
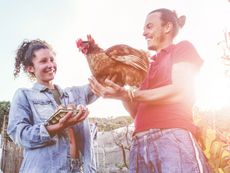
(79, 49)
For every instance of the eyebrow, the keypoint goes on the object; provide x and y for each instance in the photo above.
(148, 25)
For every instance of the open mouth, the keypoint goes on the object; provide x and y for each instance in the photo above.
(51, 70)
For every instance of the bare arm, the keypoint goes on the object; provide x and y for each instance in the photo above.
(180, 89)
(131, 107)
(112, 90)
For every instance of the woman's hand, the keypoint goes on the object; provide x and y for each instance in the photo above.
(69, 119)
(111, 90)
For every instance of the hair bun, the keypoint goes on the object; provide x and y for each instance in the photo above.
(181, 21)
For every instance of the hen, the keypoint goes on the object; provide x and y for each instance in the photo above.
(129, 65)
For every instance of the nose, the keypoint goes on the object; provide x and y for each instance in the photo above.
(50, 64)
(144, 33)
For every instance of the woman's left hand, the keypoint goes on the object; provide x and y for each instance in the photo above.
(71, 119)
(68, 120)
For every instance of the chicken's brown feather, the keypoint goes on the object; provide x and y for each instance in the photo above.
(128, 64)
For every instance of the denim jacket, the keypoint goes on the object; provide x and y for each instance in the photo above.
(29, 110)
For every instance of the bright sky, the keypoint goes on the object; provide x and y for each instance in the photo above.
(110, 22)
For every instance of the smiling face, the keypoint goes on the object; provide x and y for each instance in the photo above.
(157, 35)
(44, 67)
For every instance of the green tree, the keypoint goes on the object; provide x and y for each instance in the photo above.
(4, 110)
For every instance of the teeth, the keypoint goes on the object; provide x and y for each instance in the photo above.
(51, 70)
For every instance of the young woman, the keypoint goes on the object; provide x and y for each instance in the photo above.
(49, 148)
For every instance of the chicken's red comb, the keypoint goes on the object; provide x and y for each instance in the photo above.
(79, 42)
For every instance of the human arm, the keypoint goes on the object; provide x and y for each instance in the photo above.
(186, 62)
(78, 98)
(68, 120)
(114, 91)
(179, 89)
(131, 107)
(21, 127)
(84, 95)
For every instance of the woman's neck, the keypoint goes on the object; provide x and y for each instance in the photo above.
(49, 85)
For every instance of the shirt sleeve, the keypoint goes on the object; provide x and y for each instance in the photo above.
(83, 95)
(20, 125)
(186, 52)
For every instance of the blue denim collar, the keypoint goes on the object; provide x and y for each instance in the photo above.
(42, 88)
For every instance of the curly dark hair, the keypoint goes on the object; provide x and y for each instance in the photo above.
(168, 16)
(25, 54)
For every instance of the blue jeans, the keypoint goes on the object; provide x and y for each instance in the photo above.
(167, 151)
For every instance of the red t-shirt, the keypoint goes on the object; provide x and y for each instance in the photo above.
(177, 115)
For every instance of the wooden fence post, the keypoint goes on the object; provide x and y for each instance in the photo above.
(11, 153)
